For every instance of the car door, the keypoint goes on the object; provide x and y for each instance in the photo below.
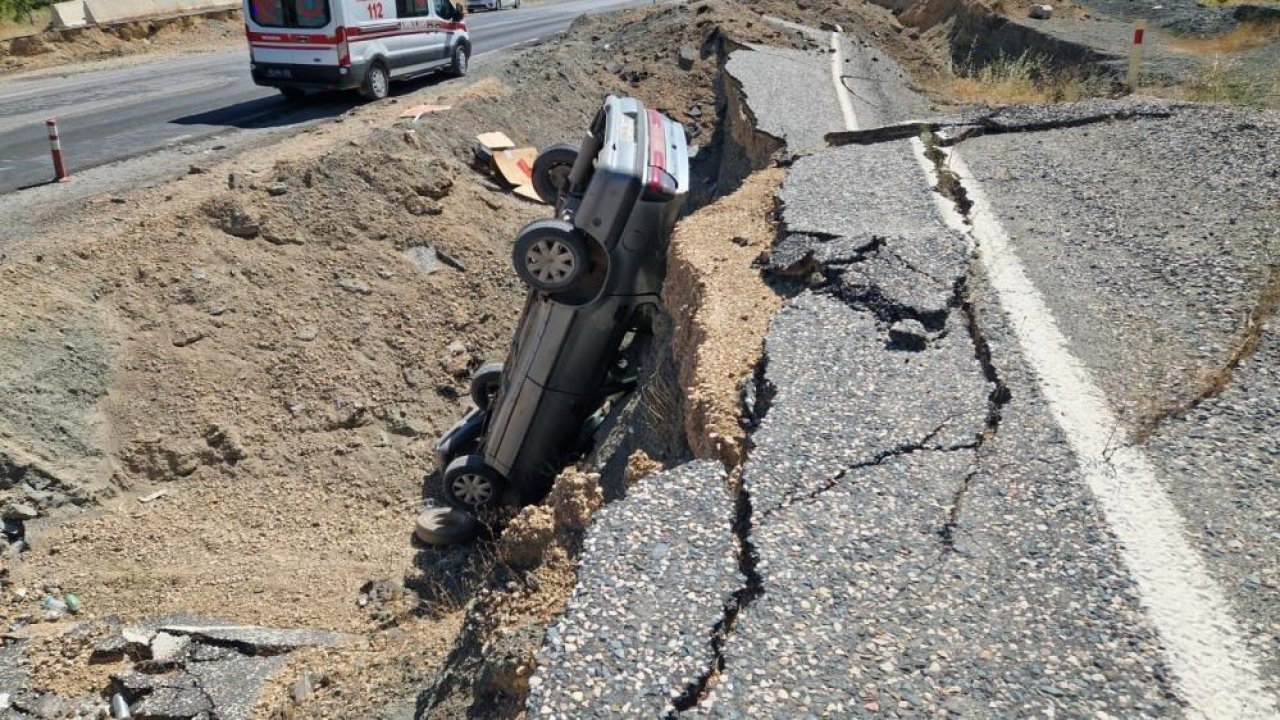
(420, 36)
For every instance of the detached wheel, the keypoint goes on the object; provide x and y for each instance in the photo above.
(485, 383)
(377, 83)
(550, 255)
(461, 55)
(551, 172)
(444, 526)
(470, 484)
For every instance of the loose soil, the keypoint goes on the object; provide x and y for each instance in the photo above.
(722, 307)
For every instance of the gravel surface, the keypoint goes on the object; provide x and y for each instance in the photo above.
(658, 568)
(1184, 219)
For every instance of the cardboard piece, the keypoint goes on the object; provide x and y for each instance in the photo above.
(528, 193)
(495, 141)
(515, 165)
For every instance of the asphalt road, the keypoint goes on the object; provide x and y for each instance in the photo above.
(114, 114)
(951, 508)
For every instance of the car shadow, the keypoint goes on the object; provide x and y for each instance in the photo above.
(274, 110)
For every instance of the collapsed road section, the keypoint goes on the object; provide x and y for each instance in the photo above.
(916, 532)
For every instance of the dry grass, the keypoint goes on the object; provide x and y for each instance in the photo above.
(38, 21)
(1229, 3)
(1245, 36)
(1227, 81)
(1026, 79)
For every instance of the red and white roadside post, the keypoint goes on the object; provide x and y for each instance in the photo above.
(1135, 54)
(55, 146)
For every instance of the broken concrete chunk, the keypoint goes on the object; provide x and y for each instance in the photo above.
(169, 703)
(19, 511)
(424, 258)
(1041, 12)
(233, 684)
(688, 56)
(138, 636)
(254, 640)
(354, 286)
(169, 648)
(110, 650)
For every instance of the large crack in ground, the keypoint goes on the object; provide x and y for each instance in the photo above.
(993, 123)
(1215, 382)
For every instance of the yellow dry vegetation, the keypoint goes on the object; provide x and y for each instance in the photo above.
(38, 21)
(1026, 79)
(1245, 36)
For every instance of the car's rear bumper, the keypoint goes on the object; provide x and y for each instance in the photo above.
(308, 77)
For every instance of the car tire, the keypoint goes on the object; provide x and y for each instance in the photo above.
(445, 526)
(551, 171)
(461, 58)
(485, 383)
(377, 82)
(550, 255)
(291, 93)
(470, 484)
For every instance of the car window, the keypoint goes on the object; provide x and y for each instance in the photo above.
(290, 13)
(445, 9)
(413, 8)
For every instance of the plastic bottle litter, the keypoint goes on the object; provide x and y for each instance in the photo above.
(120, 707)
(73, 603)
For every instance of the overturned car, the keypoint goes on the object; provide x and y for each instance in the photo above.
(594, 271)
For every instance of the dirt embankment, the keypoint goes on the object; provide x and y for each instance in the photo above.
(193, 33)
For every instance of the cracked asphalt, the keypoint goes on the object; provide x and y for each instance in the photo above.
(916, 535)
(1155, 269)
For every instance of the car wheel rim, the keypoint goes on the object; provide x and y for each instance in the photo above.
(462, 60)
(379, 84)
(550, 261)
(473, 489)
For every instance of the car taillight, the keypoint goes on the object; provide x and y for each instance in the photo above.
(344, 53)
(659, 184)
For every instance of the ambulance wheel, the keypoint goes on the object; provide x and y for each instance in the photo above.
(550, 255)
(470, 484)
(292, 93)
(461, 54)
(551, 171)
(377, 83)
(485, 383)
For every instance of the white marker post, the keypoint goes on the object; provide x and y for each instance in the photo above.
(1135, 54)
(55, 145)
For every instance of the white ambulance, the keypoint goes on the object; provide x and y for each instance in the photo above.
(301, 45)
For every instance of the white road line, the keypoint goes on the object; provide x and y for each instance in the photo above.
(842, 93)
(1214, 669)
